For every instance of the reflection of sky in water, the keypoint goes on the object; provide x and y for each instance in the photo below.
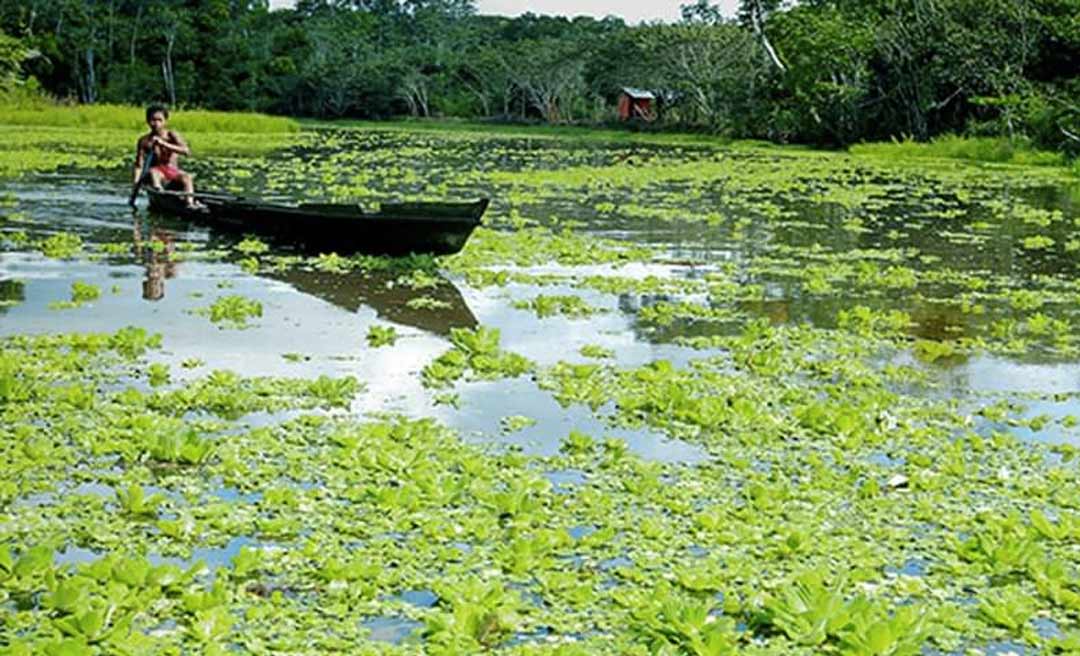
(212, 557)
(393, 630)
(485, 403)
(995, 374)
(326, 321)
(984, 379)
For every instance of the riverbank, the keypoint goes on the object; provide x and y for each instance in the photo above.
(986, 150)
(35, 112)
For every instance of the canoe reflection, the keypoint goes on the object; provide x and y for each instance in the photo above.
(435, 310)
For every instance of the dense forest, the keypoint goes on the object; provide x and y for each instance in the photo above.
(811, 71)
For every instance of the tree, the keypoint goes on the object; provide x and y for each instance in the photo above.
(828, 80)
(756, 14)
(549, 74)
(712, 72)
(12, 54)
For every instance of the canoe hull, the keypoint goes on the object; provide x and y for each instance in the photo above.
(397, 229)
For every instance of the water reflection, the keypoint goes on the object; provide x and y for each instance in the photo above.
(12, 292)
(435, 310)
(156, 253)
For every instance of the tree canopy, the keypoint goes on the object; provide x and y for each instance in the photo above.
(815, 71)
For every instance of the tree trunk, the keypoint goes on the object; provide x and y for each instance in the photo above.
(167, 70)
(134, 36)
(91, 78)
(757, 22)
(109, 37)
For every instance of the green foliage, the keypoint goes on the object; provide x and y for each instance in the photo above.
(782, 445)
(548, 306)
(811, 613)
(381, 336)
(232, 310)
(81, 293)
(671, 623)
(62, 245)
(474, 614)
(515, 423)
(596, 351)
(252, 246)
(977, 149)
(173, 444)
(809, 72)
(807, 611)
(1009, 608)
(12, 55)
(476, 351)
(134, 501)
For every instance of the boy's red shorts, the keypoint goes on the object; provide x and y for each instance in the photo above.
(170, 173)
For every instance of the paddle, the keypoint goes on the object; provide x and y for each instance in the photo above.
(147, 163)
(196, 194)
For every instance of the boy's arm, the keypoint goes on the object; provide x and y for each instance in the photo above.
(175, 143)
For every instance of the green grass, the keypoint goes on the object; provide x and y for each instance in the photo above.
(954, 147)
(444, 126)
(27, 110)
(978, 149)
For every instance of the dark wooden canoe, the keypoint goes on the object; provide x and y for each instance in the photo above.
(396, 229)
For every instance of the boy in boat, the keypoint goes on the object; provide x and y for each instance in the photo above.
(164, 146)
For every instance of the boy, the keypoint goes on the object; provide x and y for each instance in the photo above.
(165, 146)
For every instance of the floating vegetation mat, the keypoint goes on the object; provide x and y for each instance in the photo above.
(669, 400)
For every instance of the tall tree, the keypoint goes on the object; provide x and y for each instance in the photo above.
(12, 55)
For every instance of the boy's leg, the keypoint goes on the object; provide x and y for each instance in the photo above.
(157, 179)
(188, 182)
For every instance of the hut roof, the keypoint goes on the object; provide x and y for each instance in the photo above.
(638, 94)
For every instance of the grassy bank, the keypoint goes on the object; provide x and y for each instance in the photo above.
(530, 131)
(32, 120)
(951, 147)
(975, 149)
(41, 112)
(40, 135)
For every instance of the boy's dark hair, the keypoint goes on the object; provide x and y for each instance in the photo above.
(154, 109)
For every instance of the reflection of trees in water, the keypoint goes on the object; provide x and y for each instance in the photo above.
(912, 220)
(12, 292)
(633, 303)
(787, 303)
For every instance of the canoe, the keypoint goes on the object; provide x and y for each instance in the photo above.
(395, 229)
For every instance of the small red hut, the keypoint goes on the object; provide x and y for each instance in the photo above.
(636, 104)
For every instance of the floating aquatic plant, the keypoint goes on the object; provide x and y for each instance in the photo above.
(232, 310)
(381, 336)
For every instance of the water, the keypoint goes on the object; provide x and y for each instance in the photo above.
(953, 254)
(320, 319)
(394, 630)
